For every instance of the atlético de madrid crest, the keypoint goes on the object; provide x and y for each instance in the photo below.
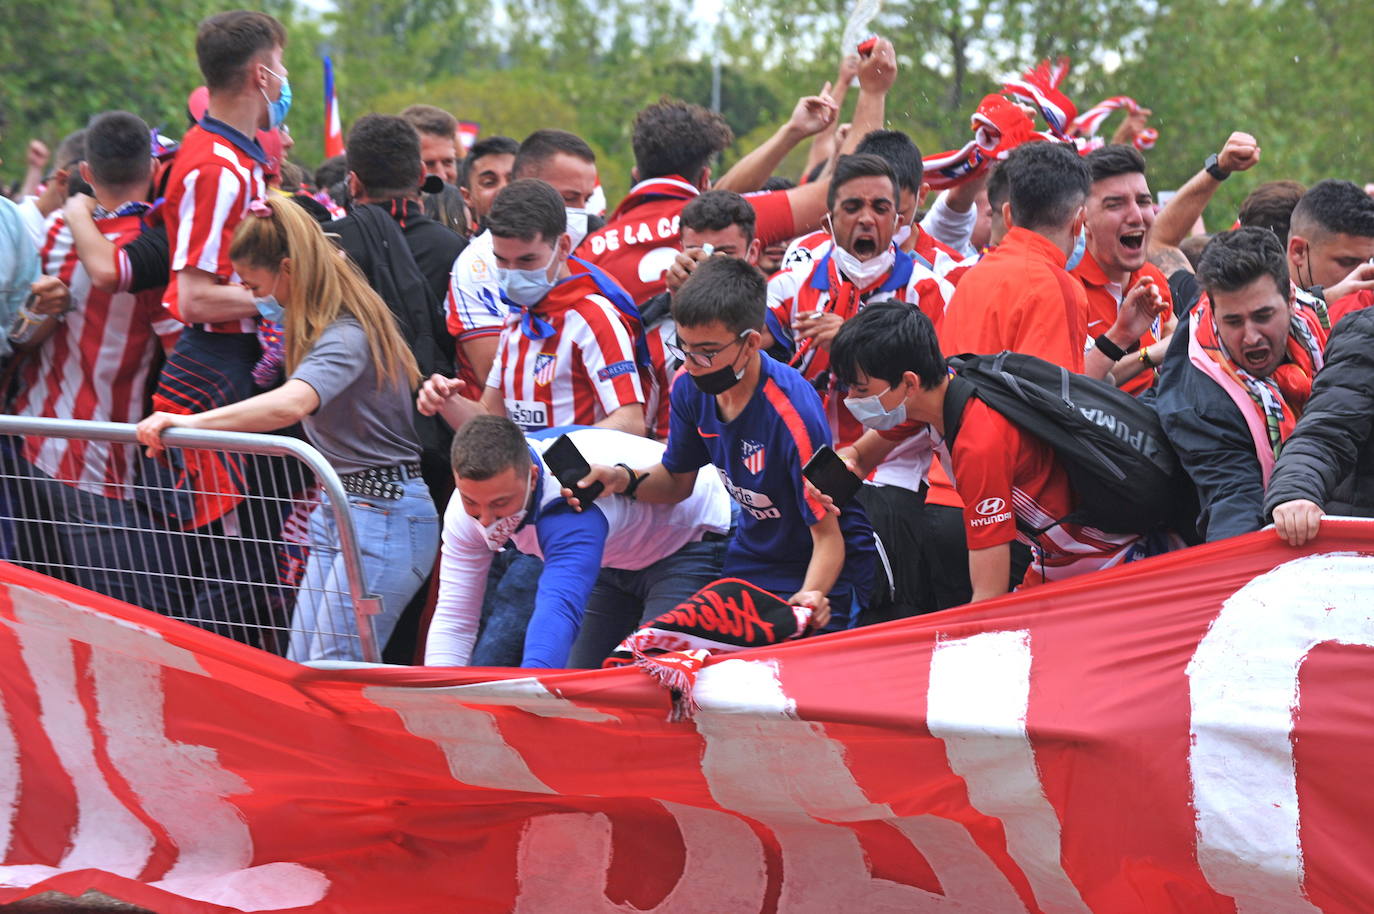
(751, 452)
(545, 364)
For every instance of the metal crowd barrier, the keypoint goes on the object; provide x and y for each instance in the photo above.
(247, 550)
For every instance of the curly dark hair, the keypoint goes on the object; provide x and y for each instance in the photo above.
(383, 150)
(673, 137)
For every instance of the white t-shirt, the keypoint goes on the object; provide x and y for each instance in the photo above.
(638, 535)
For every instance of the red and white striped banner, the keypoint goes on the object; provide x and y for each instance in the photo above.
(1190, 733)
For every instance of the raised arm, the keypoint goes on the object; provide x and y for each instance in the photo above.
(823, 143)
(877, 74)
(811, 114)
(1240, 153)
(96, 252)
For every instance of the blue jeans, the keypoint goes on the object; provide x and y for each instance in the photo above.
(622, 601)
(398, 539)
(511, 587)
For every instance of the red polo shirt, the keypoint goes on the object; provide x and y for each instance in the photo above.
(1103, 304)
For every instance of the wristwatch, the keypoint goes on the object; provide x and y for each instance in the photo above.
(1216, 171)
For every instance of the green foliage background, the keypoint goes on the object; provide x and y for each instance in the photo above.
(1296, 73)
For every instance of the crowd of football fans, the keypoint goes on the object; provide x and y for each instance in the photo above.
(716, 356)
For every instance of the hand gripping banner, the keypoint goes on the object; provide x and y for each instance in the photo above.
(1188, 733)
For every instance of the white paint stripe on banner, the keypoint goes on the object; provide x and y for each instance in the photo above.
(106, 836)
(763, 761)
(472, 742)
(1243, 687)
(9, 780)
(564, 860)
(181, 786)
(527, 694)
(977, 703)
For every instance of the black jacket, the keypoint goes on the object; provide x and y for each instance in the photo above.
(434, 248)
(1329, 459)
(1213, 443)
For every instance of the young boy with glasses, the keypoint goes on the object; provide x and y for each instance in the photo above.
(758, 422)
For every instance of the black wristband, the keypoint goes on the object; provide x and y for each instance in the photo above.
(635, 480)
(1109, 349)
(1317, 292)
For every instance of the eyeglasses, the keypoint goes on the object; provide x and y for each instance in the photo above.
(701, 359)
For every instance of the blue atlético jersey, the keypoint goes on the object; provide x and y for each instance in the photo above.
(759, 455)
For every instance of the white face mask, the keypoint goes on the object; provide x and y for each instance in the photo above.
(577, 225)
(864, 273)
(1080, 246)
(872, 414)
(903, 233)
(498, 532)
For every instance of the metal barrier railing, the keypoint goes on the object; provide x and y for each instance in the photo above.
(233, 532)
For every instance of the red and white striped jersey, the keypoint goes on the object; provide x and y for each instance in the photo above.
(791, 292)
(577, 375)
(934, 255)
(217, 172)
(96, 363)
(664, 370)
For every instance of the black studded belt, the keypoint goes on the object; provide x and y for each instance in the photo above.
(380, 482)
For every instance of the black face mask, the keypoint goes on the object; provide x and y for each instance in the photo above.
(718, 381)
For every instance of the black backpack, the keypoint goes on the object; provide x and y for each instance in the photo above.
(1125, 475)
(387, 262)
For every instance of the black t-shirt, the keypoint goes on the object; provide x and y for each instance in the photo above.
(150, 259)
(434, 246)
(1186, 290)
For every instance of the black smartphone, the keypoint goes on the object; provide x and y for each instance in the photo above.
(569, 466)
(827, 472)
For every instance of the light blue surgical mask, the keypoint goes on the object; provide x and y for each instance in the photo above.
(270, 308)
(872, 414)
(1080, 244)
(276, 110)
(527, 288)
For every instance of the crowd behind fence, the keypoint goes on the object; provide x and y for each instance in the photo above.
(194, 546)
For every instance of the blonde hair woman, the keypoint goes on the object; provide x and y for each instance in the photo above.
(350, 382)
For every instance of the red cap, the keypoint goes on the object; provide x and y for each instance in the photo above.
(197, 102)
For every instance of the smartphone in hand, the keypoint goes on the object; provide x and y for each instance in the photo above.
(828, 473)
(568, 466)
